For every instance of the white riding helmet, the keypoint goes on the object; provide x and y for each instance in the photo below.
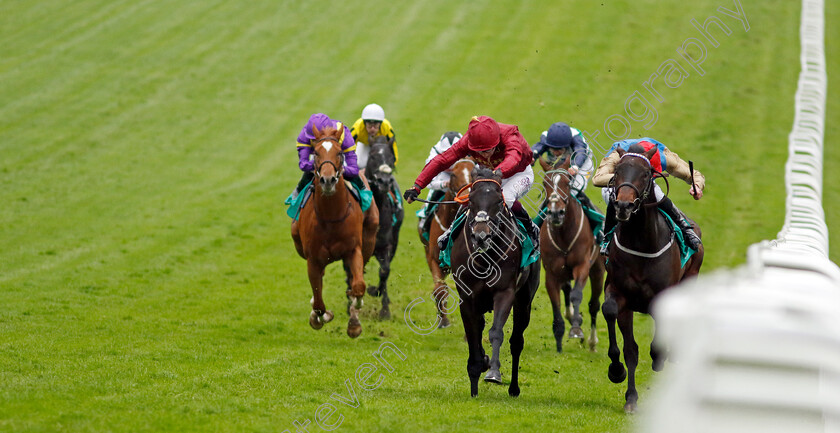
(373, 112)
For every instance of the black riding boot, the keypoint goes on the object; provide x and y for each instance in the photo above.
(522, 215)
(584, 200)
(444, 238)
(306, 178)
(609, 226)
(689, 234)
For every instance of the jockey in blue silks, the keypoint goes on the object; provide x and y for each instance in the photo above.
(557, 144)
(663, 160)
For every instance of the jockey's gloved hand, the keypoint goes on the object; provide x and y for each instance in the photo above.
(411, 194)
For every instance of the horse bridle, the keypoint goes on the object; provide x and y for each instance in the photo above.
(554, 197)
(340, 171)
(483, 217)
(338, 168)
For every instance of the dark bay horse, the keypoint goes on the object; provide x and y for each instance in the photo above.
(442, 217)
(568, 252)
(644, 260)
(386, 194)
(333, 227)
(486, 254)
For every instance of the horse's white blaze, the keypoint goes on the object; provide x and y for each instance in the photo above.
(385, 168)
(466, 173)
(327, 145)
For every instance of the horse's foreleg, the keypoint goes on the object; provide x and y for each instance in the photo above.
(596, 286)
(580, 273)
(356, 293)
(440, 291)
(610, 309)
(558, 326)
(521, 319)
(631, 358)
(384, 272)
(502, 303)
(320, 314)
(657, 354)
(567, 300)
(477, 362)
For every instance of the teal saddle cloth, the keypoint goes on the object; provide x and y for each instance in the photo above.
(529, 253)
(365, 198)
(685, 251)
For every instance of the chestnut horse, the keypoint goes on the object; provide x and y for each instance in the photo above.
(442, 217)
(486, 257)
(568, 251)
(644, 260)
(332, 227)
(386, 194)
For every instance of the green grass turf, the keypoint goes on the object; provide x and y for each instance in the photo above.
(148, 280)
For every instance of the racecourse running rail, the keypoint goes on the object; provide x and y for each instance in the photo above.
(758, 348)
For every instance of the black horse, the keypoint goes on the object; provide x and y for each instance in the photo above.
(644, 260)
(386, 194)
(485, 258)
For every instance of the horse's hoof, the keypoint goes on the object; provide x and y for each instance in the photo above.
(630, 408)
(493, 376)
(576, 333)
(354, 328)
(373, 291)
(617, 373)
(328, 316)
(444, 322)
(315, 321)
(385, 314)
(658, 365)
(513, 390)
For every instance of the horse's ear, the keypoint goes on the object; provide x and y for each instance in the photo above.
(649, 154)
(497, 175)
(620, 151)
(315, 131)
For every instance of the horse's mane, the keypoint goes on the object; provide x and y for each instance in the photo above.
(482, 172)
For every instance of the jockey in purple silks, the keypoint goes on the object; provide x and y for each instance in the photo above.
(305, 151)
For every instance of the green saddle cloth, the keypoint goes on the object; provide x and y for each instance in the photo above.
(685, 251)
(364, 197)
(529, 253)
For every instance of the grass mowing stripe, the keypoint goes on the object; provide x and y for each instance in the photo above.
(188, 309)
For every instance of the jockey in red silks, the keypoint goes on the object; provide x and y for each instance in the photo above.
(495, 145)
(305, 151)
(663, 160)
